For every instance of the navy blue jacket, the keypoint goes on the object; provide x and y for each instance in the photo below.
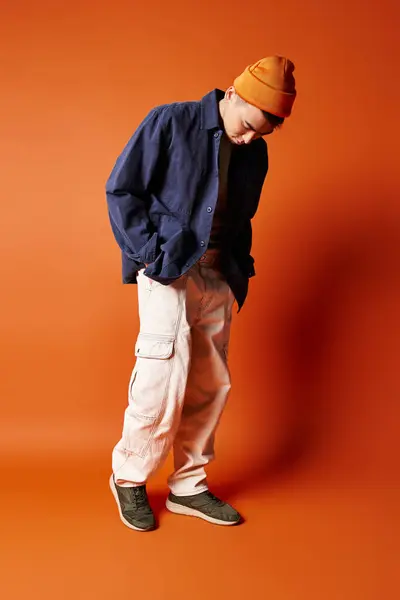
(163, 190)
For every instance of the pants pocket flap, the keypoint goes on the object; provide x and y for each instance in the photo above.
(154, 346)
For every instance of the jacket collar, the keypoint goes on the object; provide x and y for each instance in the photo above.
(209, 107)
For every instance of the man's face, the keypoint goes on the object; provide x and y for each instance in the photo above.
(243, 122)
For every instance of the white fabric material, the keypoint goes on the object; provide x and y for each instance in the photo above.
(180, 381)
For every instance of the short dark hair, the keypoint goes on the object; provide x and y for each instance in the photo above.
(275, 121)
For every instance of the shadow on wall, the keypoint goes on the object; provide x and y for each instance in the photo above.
(310, 327)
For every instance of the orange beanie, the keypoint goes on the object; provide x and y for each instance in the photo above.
(269, 84)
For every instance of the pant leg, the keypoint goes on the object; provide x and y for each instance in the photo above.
(207, 388)
(158, 381)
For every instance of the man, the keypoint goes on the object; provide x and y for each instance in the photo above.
(181, 197)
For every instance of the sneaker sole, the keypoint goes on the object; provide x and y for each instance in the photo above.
(125, 522)
(178, 509)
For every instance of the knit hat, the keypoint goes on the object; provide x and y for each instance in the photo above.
(269, 84)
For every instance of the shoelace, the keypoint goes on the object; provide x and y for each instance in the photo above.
(214, 499)
(139, 499)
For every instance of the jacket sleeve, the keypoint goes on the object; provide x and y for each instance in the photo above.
(128, 189)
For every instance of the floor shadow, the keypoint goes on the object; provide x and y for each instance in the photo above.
(304, 326)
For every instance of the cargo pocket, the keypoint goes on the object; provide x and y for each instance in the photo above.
(150, 345)
(148, 391)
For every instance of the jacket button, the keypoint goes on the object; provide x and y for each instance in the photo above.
(216, 134)
(202, 243)
(209, 209)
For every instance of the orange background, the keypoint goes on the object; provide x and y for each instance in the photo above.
(308, 448)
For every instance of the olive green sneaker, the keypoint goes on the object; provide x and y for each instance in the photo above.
(133, 505)
(205, 506)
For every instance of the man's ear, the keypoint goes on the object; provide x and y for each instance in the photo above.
(230, 93)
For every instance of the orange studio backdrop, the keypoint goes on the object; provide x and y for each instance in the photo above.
(308, 448)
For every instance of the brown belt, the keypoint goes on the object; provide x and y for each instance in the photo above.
(211, 259)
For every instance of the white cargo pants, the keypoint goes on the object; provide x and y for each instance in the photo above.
(180, 381)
